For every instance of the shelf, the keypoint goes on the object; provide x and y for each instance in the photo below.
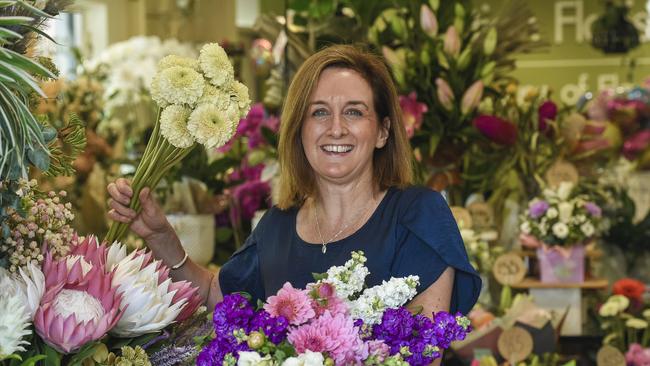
(589, 284)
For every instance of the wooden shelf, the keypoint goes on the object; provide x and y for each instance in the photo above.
(589, 284)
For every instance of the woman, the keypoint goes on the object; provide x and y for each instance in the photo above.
(345, 185)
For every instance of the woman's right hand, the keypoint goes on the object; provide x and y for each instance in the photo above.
(151, 224)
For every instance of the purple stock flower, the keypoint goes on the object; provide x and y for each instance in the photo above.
(593, 209)
(250, 196)
(538, 209)
(275, 329)
(233, 313)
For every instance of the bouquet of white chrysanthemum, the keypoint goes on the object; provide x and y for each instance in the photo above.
(199, 102)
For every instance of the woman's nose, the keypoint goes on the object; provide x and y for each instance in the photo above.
(338, 127)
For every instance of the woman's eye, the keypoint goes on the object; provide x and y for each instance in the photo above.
(354, 112)
(319, 113)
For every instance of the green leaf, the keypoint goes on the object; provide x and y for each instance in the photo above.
(39, 158)
(319, 276)
(88, 350)
(52, 357)
(14, 20)
(32, 360)
(34, 10)
(8, 33)
(270, 136)
(223, 234)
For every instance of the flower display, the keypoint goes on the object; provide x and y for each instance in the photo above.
(314, 326)
(625, 320)
(560, 218)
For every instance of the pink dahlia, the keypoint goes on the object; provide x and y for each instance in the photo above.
(323, 298)
(293, 304)
(335, 335)
(78, 308)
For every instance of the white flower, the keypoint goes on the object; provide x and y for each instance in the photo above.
(14, 317)
(608, 309)
(580, 219)
(177, 85)
(32, 282)
(240, 94)
(215, 96)
(636, 323)
(551, 213)
(560, 230)
(374, 301)
(525, 227)
(253, 359)
(173, 126)
(308, 358)
(211, 126)
(350, 278)
(588, 229)
(564, 190)
(175, 60)
(215, 64)
(620, 301)
(565, 211)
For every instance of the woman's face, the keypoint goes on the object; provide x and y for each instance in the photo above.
(341, 128)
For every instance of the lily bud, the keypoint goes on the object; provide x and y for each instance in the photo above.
(452, 42)
(472, 97)
(464, 59)
(490, 42)
(434, 4)
(428, 21)
(445, 94)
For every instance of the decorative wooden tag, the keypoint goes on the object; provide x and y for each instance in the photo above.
(509, 269)
(482, 215)
(462, 216)
(561, 171)
(515, 344)
(610, 356)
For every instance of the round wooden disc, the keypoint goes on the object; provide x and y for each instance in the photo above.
(610, 356)
(561, 171)
(515, 344)
(509, 269)
(482, 215)
(462, 216)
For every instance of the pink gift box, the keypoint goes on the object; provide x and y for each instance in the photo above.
(562, 264)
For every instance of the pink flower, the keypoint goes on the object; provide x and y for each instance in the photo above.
(636, 144)
(472, 97)
(444, 93)
(547, 111)
(412, 112)
(451, 42)
(293, 304)
(335, 335)
(496, 129)
(323, 298)
(428, 21)
(637, 355)
(77, 308)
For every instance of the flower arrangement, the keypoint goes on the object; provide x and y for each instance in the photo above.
(334, 321)
(561, 218)
(199, 103)
(625, 318)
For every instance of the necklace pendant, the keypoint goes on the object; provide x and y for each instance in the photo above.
(324, 249)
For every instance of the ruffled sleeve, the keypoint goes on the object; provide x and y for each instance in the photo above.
(241, 273)
(429, 242)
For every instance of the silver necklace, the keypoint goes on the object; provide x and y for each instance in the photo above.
(333, 238)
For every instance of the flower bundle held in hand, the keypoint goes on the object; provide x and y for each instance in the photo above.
(199, 102)
(334, 321)
(560, 218)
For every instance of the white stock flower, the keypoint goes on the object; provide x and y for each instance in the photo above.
(175, 60)
(177, 85)
(551, 213)
(173, 126)
(350, 278)
(308, 358)
(564, 190)
(370, 306)
(240, 94)
(210, 126)
(525, 227)
(14, 316)
(588, 229)
(566, 211)
(560, 230)
(215, 64)
(252, 358)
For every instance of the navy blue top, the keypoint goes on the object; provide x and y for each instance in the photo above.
(412, 232)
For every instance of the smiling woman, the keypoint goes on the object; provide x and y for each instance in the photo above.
(345, 186)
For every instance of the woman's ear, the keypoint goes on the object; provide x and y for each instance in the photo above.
(384, 132)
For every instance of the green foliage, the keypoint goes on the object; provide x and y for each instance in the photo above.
(64, 150)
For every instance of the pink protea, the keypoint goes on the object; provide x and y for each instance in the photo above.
(91, 251)
(77, 308)
(335, 335)
(293, 304)
(185, 292)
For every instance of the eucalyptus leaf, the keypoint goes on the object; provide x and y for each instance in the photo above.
(39, 158)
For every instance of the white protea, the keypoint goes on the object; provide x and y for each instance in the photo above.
(374, 301)
(32, 282)
(216, 66)
(175, 60)
(147, 303)
(173, 126)
(350, 278)
(211, 126)
(177, 85)
(14, 316)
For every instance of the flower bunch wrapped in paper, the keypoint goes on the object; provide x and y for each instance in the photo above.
(199, 102)
(333, 321)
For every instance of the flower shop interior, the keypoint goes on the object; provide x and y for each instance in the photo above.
(530, 117)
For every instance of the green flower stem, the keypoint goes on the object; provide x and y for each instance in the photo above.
(645, 341)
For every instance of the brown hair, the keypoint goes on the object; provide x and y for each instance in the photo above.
(391, 164)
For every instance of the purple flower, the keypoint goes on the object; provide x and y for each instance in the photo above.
(250, 196)
(247, 173)
(547, 111)
(538, 209)
(496, 129)
(593, 209)
(275, 329)
(233, 313)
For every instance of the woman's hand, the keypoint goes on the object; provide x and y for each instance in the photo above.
(151, 224)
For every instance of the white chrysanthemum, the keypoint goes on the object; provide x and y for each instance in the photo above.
(210, 126)
(215, 96)
(173, 126)
(636, 323)
(551, 213)
(240, 94)
(177, 85)
(560, 230)
(14, 317)
(608, 309)
(525, 227)
(175, 60)
(588, 229)
(372, 304)
(620, 301)
(215, 64)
